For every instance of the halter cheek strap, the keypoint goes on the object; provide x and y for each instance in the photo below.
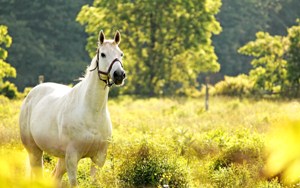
(104, 76)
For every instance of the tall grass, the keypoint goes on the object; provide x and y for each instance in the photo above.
(223, 147)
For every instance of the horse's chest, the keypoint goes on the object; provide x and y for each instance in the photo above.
(93, 143)
(90, 134)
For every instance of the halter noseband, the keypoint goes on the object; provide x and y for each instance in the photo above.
(104, 76)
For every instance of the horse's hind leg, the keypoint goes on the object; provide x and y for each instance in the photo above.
(34, 152)
(36, 162)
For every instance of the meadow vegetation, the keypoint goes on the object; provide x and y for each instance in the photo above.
(166, 141)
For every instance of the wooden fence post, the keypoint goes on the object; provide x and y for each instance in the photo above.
(41, 79)
(206, 93)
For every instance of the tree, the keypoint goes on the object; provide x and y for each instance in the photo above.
(47, 40)
(293, 58)
(6, 70)
(167, 43)
(269, 66)
(283, 17)
(241, 19)
(5, 41)
(276, 61)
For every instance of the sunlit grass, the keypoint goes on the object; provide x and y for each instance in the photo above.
(15, 170)
(9, 114)
(222, 147)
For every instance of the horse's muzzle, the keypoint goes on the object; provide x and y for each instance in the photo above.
(119, 76)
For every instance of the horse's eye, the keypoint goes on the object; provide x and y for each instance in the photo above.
(103, 55)
(122, 54)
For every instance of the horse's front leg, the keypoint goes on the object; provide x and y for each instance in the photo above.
(59, 170)
(71, 162)
(98, 160)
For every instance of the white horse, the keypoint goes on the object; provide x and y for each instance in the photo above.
(73, 123)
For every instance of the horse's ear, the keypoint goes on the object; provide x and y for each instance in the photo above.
(117, 38)
(101, 37)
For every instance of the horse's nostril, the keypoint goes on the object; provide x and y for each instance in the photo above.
(120, 75)
(115, 74)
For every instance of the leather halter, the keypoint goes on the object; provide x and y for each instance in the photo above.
(104, 76)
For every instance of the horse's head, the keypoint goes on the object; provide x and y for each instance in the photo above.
(109, 57)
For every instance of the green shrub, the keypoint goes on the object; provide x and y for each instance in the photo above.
(235, 86)
(147, 167)
(3, 101)
(233, 176)
(25, 92)
(9, 90)
(237, 155)
(239, 161)
(241, 148)
(270, 184)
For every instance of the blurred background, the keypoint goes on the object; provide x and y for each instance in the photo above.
(171, 46)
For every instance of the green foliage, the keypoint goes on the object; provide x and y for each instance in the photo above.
(270, 184)
(241, 19)
(147, 167)
(233, 176)
(240, 86)
(5, 41)
(276, 62)
(9, 114)
(284, 16)
(9, 90)
(269, 65)
(25, 92)
(240, 148)
(47, 40)
(6, 70)
(6, 88)
(293, 58)
(167, 43)
(235, 157)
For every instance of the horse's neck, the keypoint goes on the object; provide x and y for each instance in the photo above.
(95, 92)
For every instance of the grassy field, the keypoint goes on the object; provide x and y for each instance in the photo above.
(168, 141)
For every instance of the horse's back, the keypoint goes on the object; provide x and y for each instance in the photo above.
(42, 93)
(45, 90)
